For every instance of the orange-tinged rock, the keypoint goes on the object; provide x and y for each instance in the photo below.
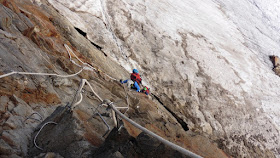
(90, 135)
(275, 60)
(7, 139)
(5, 149)
(27, 94)
(133, 131)
(39, 95)
(83, 116)
(11, 4)
(156, 130)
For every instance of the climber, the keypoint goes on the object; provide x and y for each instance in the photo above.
(135, 77)
(146, 90)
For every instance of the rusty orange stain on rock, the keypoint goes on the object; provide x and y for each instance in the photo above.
(38, 95)
(83, 116)
(44, 34)
(11, 4)
(5, 93)
(93, 139)
(194, 144)
(8, 140)
(10, 86)
(133, 131)
(156, 130)
(90, 135)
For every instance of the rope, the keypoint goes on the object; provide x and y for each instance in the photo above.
(164, 141)
(110, 77)
(114, 109)
(81, 98)
(85, 66)
(34, 140)
(79, 92)
(126, 98)
(82, 84)
(93, 90)
(8, 74)
(40, 74)
(70, 51)
(114, 118)
(89, 67)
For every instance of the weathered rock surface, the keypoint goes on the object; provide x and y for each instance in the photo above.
(276, 64)
(66, 137)
(207, 61)
(120, 144)
(32, 40)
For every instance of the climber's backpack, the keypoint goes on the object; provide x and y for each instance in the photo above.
(135, 77)
(146, 90)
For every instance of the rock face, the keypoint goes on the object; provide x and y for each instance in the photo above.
(31, 43)
(121, 144)
(34, 108)
(207, 61)
(63, 135)
(276, 64)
